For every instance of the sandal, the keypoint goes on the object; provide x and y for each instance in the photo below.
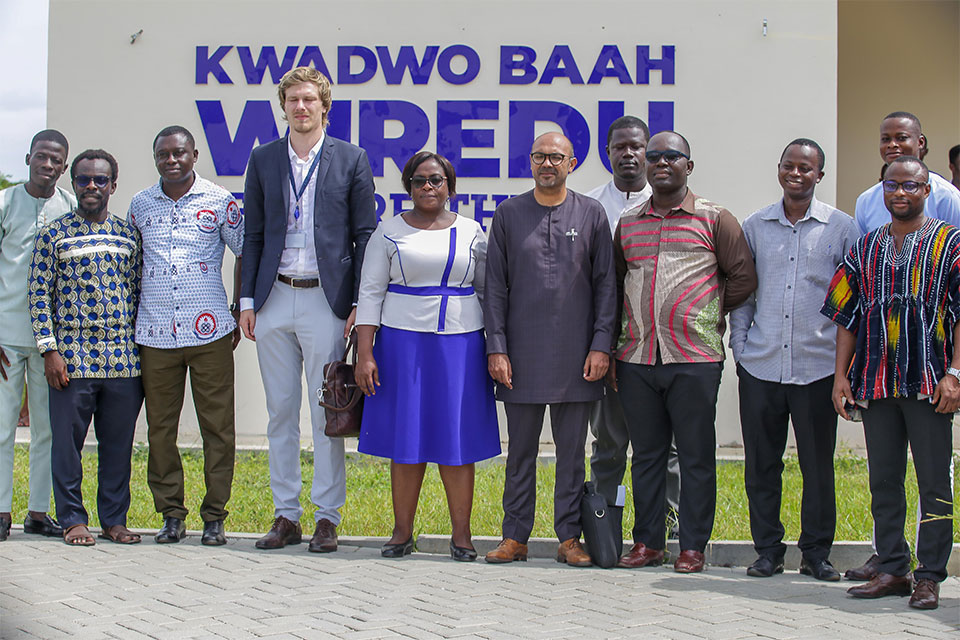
(78, 536)
(120, 534)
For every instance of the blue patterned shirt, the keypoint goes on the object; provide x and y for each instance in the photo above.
(184, 303)
(84, 287)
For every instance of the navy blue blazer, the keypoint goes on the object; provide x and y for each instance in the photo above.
(344, 218)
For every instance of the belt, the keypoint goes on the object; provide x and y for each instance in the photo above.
(299, 283)
(430, 291)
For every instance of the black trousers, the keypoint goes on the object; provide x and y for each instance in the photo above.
(568, 420)
(766, 408)
(888, 426)
(608, 460)
(661, 402)
(113, 404)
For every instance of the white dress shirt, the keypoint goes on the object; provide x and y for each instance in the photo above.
(616, 202)
(297, 261)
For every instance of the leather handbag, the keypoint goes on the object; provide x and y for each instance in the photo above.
(340, 397)
(602, 527)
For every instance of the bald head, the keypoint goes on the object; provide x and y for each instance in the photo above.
(553, 139)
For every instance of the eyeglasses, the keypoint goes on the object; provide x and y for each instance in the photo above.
(419, 182)
(554, 158)
(99, 181)
(671, 155)
(910, 186)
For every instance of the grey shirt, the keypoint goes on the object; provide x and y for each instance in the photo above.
(550, 296)
(778, 335)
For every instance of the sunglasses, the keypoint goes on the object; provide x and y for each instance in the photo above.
(99, 181)
(419, 182)
(910, 186)
(671, 155)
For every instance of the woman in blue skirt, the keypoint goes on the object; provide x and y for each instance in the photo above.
(430, 398)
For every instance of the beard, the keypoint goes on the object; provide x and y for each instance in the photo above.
(94, 211)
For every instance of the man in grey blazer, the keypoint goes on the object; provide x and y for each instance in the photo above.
(309, 210)
(549, 312)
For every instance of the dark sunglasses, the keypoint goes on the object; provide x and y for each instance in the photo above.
(419, 182)
(671, 155)
(910, 186)
(99, 181)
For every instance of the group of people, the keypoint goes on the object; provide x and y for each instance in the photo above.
(609, 307)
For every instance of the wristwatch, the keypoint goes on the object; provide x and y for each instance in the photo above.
(953, 371)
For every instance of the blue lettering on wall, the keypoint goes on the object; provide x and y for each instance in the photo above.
(267, 59)
(230, 155)
(207, 64)
(517, 58)
(344, 57)
(452, 138)
(561, 65)
(659, 118)
(523, 118)
(407, 60)
(311, 56)
(609, 64)
(373, 116)
(666, 64)
(447, 56)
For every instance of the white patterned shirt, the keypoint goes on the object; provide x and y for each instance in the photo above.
(184, 303)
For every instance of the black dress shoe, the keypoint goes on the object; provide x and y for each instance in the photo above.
(765, 566)
(173, 530)
(462, 554)
(213, 533)
(397, 550)
(5, 529)
(45, 527)
(819, 569)
(324, 538)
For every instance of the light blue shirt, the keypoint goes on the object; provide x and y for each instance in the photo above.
(943, 203)
(779, 335)
(21, 217)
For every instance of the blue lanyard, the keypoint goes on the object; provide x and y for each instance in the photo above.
(298, 193)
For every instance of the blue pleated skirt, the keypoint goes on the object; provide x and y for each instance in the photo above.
(435, 402)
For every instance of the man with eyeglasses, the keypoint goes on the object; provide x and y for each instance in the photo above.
(682, 263)
(626, 144)
(183, 323)
(549, 315)
(308, 213)
(84, 289)
(901, 135)
(785, 352)
(25, 209)
(896, 302)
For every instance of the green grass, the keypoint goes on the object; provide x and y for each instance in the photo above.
(368, 510)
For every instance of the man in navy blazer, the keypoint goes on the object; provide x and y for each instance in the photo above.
(309, 210)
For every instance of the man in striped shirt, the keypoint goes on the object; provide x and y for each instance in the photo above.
(682, 263)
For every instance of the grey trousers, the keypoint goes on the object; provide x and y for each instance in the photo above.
(568, 421)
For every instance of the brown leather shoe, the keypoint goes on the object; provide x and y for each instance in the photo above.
(926, 595)
(572, 553)
(324, 537)
(282, 533)
(884, 584)
(640, 555)
(689, 561)
(507, 551)
(867, 572)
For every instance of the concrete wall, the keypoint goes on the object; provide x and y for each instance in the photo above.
(736, 93)
(894, 55)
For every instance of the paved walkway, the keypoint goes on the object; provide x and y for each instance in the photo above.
(186, 590)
